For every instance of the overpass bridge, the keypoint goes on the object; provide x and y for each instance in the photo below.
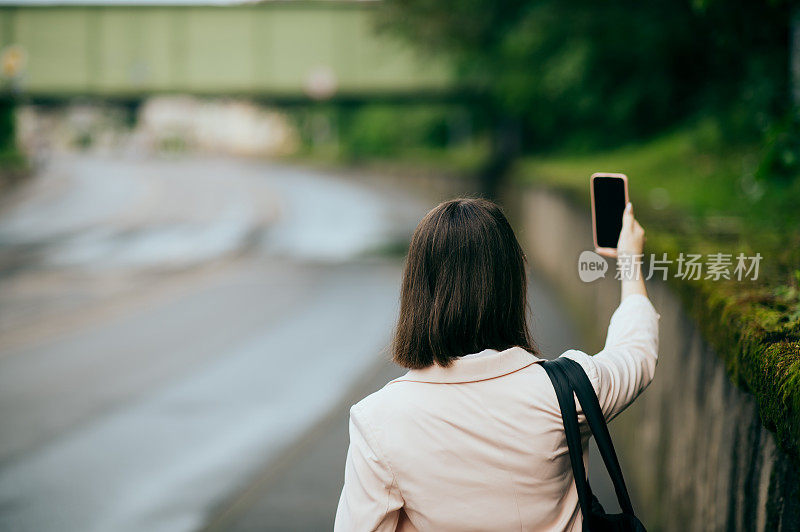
(274, 51)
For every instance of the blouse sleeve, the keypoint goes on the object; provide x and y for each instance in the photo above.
(370, 499)
(627, 363)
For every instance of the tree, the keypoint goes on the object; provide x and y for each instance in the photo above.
(580, 74)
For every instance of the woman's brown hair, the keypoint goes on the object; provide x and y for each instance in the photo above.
(464, 286)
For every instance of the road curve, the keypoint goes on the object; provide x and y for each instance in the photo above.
(145, 417)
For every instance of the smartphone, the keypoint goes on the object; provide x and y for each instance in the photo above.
(609, 196)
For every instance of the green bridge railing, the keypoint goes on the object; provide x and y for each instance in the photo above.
(275, 50)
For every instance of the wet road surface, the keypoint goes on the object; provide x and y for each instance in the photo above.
(142, 386)
(181, 339)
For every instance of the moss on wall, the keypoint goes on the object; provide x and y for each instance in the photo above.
(757, 333)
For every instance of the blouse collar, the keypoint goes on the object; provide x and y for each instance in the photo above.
(488, 364)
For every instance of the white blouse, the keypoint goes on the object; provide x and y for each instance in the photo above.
(480, 445)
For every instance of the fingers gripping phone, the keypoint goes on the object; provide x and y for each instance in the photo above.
(609, 194)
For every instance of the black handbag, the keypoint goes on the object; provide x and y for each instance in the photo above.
(568, 377)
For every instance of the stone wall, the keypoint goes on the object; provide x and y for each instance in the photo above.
(693, 449)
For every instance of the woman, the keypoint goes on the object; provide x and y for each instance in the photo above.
(471, 438)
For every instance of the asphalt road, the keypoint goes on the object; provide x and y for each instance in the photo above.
(140, 387)
(181, 339)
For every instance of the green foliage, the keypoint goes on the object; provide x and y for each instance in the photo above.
(593, 74)
(781, 159)
(13, 165)
(7, 125)
(385, 130)
(690, 181)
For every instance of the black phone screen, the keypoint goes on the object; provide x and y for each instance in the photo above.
(609, 204)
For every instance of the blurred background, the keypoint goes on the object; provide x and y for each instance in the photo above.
(204, 208)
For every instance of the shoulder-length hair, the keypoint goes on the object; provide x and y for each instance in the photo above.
(464, 286)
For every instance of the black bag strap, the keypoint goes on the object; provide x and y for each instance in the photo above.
(597, 423)
(570, 418)
(572, 378)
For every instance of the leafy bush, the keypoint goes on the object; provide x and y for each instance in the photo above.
(781, 161)
(596, 74)
(385, 130)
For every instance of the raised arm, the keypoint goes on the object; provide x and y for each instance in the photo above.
(627, 363)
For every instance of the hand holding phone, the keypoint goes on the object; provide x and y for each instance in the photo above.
(609, 194)
(631, 242)
(631, 237)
